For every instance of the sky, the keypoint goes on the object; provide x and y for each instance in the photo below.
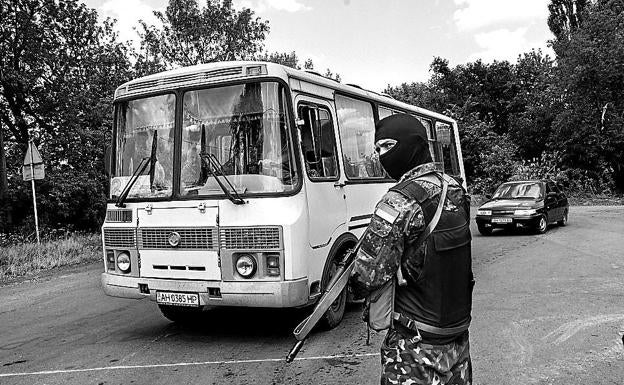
(375, 43)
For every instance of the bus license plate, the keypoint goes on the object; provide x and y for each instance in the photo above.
(177, 299)
(501, 220)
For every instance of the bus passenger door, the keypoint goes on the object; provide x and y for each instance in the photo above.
(365, 180)
(326, 200)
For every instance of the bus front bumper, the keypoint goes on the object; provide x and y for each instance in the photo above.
(239, 293)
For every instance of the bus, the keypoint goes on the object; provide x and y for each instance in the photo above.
(244, 184)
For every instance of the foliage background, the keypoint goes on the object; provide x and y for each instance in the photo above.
(560, 117)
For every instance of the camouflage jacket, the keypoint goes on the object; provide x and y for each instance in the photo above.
(396, 224)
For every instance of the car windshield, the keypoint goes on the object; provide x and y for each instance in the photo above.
(520, 190)
(245, 127)
(144, 130)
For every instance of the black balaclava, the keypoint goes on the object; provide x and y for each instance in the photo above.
(412, 148)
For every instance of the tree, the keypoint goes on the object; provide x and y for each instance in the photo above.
(190, 35)
(535, 105)
(565, 17)
(291, 60)
(329, 74)
(58, 72)
(590, 127)
(284, 58)
(5, 219)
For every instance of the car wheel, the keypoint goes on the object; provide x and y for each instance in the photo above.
(542, 225)
(485, 230)
(564, 220)
(333, 316)
(180, 314)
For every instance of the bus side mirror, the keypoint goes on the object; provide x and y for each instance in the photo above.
(107, 160)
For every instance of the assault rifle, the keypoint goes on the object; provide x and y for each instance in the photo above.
(335, 286)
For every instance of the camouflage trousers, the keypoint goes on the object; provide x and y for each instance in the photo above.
(409, 361)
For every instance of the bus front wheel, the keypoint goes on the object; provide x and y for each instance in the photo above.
(333, 316)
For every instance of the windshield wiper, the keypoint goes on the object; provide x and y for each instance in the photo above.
(135, 175)
(151, 160)
(216, 170)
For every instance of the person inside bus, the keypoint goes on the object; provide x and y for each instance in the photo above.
(318, 146)
(427, 341)
(192, 168)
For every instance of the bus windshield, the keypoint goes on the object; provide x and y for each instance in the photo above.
(245, 127)
(144, 130)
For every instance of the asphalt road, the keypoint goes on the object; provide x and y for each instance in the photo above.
(548, 309)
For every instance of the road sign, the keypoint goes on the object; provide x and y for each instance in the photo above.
(32, 155)
(27, 172)
(33, 164)
(33, 169)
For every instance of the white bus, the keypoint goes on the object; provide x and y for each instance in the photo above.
(243, 183)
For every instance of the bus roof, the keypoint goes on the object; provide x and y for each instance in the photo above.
(211, 73)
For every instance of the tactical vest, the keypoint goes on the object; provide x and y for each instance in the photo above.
(438, 297)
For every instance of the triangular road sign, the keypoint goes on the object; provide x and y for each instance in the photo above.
(32, 155)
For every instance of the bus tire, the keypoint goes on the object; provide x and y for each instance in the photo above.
(333, 316)
(180, 314)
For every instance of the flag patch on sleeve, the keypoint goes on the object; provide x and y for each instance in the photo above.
(387, 213)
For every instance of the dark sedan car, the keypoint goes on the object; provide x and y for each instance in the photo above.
(529, 205)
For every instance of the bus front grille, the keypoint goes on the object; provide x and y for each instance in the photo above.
(198, 238)
(250, 238)
(119, 238)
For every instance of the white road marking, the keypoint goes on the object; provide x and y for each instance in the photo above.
(521, 354)
(569, 329)
(577, 363)
(178, 364)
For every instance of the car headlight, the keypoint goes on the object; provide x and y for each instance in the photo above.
(484, 212)
(246, 265)
(525, 212)
(123, 262)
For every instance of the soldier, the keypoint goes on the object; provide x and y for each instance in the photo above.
(427, 342)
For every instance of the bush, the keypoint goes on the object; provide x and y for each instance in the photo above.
(496, 166)
(573, 180)
(21, 259)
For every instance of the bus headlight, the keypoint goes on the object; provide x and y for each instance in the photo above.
(484, 212)
(246, 266)
(123, 262)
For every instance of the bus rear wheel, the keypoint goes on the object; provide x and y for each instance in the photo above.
(180, 314)
(333, 316)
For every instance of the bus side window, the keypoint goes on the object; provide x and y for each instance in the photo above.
(357, 134)
(384, 112)
(318, 142)
(446, 142)
(433, 145)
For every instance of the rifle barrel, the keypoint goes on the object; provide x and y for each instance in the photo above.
(294, 351)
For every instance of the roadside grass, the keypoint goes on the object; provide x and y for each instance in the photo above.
(29, 258)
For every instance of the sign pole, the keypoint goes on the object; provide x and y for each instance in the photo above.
(32, 181)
